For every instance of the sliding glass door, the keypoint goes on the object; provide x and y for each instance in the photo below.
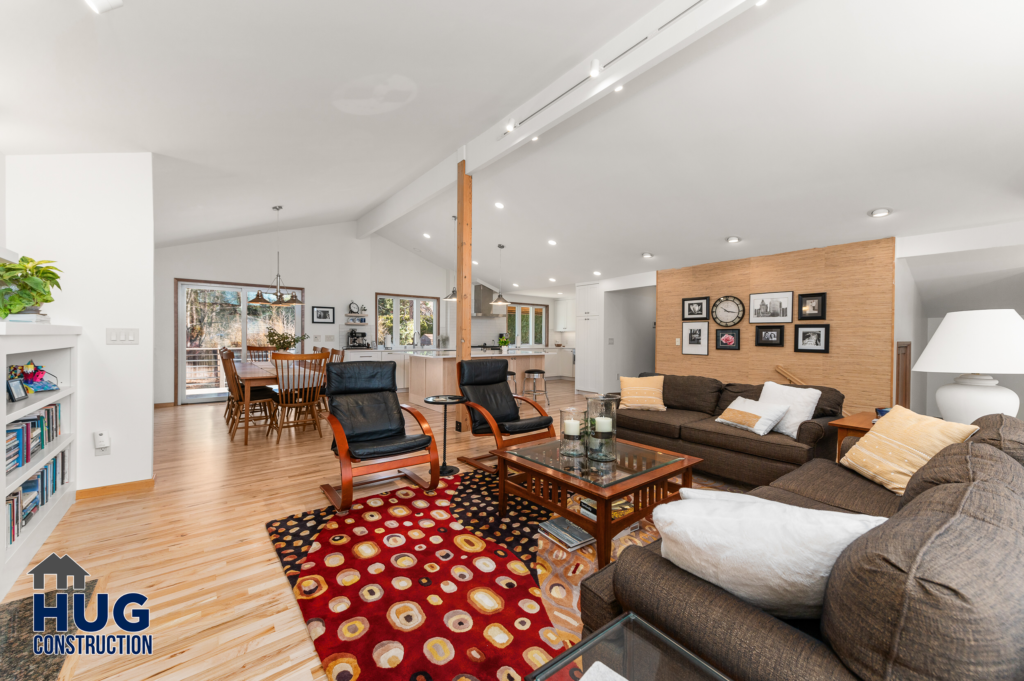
(414, 325)
(210, 318)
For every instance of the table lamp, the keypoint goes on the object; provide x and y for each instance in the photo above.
(976, 344)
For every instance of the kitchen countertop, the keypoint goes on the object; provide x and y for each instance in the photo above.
(522, 353)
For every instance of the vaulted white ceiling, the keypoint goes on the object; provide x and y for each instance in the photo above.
(323, 106)
(784, 127)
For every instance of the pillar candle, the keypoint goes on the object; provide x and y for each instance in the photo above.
(571, 427)
(602, 424)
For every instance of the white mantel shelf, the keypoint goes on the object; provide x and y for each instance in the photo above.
(27, 329)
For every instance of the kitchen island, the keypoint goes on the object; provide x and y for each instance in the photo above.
(433, 373)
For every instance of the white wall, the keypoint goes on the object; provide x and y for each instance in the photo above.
(911, 324)
(328, 261)
(629, 334)
(3, 201)
(93, 214)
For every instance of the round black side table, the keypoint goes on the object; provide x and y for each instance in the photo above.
(444, 401)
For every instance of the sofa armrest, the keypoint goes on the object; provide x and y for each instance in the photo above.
(598, 606)
(820, 436)
(742, 641)
(848, 442)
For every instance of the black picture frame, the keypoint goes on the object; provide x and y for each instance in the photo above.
(722, 336)
(16, 390)
(326, 318)
(823, 342)
(815, 300)
(705, 304)
(777, 341)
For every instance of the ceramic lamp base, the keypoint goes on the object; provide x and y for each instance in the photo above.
(974, 396)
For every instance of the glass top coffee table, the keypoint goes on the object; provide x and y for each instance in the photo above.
(541, 475)
(634, 650)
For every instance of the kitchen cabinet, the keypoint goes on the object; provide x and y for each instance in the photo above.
(589, 353)
(401, 360)
(362, 355)
(565, 315)
(589, 300)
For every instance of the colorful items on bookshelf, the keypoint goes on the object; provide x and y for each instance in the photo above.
(35, 493)
(33, 376)
(28, 436)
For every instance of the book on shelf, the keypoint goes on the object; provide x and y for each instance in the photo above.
(26, 318)
(28, 436)
(566, 534)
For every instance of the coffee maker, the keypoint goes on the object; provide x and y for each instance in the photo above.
(357, 339)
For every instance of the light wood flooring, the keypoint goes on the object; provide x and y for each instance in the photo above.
(221, 607)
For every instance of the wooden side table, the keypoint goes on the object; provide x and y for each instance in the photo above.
(855, 425)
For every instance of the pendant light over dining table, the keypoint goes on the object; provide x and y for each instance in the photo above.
(281, 299)
(500, 300)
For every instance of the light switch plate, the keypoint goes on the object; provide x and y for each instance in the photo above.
(122, 336)
(316, 339)
(330, 339)
(677, 341)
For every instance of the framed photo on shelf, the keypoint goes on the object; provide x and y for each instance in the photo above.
(323, 315)
(696, 308)
(770, 336)
(727, 339)
(695, 338)
(811, 338)
(16, 390)
(776, 308)
(811, 306)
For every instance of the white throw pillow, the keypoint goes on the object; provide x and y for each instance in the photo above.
(757, 417)
(772, 555)
(801, 403)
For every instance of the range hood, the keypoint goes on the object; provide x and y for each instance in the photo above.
(482, 297)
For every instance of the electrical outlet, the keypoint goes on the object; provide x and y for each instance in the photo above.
(330, 339)
(611, 341)
(122, 336)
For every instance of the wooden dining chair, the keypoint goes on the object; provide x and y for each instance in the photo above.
(493, 410)
(299, 381)
(229, 404)
(335, 356)
(369, 430)
(260, 353)
(261, 398)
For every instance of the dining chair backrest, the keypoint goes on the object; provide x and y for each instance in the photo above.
(299, 377)
(336, 356)
(260, 353)
(230, 375)
(318, 350)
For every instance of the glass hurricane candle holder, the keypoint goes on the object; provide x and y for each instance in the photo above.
(601, 436)
(574, 427)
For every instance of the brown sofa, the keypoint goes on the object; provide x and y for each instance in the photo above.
(932, 593)
(688, 426)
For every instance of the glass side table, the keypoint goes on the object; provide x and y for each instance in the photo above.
(444, 401)
(632, 649)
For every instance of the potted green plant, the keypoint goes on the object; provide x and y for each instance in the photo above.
(284, 341)
(28, 285)
(503, 344)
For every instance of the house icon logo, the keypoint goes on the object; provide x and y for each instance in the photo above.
(61, 567)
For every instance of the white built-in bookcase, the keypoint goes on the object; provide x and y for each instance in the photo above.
(55, 348)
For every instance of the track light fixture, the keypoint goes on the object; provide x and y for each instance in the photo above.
(101, 6)
(595, 68)
(510, 125)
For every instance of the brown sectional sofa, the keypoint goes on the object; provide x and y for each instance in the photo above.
(932, 593)
(688, 427)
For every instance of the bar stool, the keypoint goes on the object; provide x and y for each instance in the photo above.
(534, 373)
(512, 375)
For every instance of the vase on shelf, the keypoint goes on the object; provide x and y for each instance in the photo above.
(574, 430)
(601, 430)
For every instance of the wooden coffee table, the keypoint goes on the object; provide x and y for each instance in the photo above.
(541, 475)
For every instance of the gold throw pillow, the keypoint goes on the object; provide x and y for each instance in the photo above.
(899, 444)
(642, 393)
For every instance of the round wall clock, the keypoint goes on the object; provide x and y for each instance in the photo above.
(728, 311)
(353, 307)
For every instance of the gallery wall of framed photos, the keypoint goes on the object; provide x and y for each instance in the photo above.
(826, 314)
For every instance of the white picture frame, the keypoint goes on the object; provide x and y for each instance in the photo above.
(695, 338)
(771, 308)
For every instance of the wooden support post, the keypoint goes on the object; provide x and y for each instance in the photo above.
(464, 279)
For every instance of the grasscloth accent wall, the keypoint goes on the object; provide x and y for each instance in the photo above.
(859, 280)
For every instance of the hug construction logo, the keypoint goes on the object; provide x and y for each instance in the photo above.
(91, 642)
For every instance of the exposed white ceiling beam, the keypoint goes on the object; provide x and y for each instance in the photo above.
(663, 32)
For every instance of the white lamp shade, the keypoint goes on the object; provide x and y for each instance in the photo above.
(976, 342)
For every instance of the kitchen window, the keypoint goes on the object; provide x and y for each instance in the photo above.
(406, 321)
(526, 325)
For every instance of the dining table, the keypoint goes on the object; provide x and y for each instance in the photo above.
(253, 374)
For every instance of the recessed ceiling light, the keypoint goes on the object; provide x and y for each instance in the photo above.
(535, 139)
(425, 235)
(597, 274)
(595, 68)
(559, 293)
(551, 279)
(475, 262)
(101, 6)
(552, 242)
(733, 239)
(880, 212)
(618, 89)
(499, 205)
(648, 255)
(516, 285)
(760, 2)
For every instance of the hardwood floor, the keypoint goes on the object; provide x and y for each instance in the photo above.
(221, 607)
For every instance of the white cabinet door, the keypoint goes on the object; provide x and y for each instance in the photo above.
(401, 360)
(588, 354)
(561, 317)
(570, 315)
(589, 300)
(362, 356)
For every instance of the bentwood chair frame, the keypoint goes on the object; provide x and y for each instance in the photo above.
(299, 380)
(376, 469)
(501, 441)
(260, 407)
(260, 353)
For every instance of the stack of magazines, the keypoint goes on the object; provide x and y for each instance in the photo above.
(567, 535)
